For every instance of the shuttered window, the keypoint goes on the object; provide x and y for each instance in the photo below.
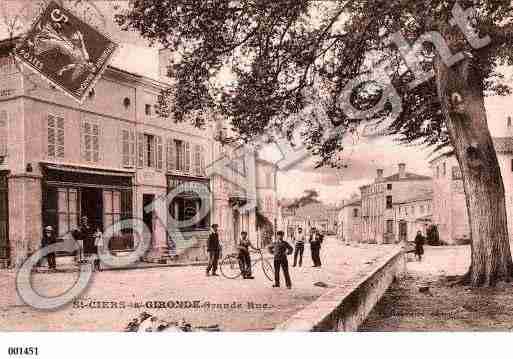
(55, 137)
(128, 145)
(3, 132)
(170, 155)
(187, 167)
(160, 155)
(197, 160)
(140, 150)
(91, 141)
(202, 161)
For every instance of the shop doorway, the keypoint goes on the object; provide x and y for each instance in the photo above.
(91, 206)
(403, 231)
(148, 199)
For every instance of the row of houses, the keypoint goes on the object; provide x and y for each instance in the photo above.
(394, 208)
(108, 159)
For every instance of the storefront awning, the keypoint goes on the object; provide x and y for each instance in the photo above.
(66, 174)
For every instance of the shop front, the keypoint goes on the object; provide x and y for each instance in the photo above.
(191, 196)
(104, 197)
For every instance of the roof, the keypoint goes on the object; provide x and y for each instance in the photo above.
(408, 176)
(356, 202)
(424, 196)
(427, 218)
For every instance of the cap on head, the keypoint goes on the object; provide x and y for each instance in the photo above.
(48, 228)
(215, 225)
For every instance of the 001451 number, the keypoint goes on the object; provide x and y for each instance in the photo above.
(22, 351)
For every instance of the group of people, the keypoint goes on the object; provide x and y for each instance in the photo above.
(89, 241)
(280, 249)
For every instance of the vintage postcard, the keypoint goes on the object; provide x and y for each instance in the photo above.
(255, 166)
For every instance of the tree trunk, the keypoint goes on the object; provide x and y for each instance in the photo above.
(460, 89)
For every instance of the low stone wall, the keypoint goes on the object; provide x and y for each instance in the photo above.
(346, 307)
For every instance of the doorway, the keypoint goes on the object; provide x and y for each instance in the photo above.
(91, 206)
(403, 231)
(148, 215)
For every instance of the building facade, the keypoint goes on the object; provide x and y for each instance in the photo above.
(450, 213)
(109, 159)
(378, 198)
(349, 221)
(412, 215)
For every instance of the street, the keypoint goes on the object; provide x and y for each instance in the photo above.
(111, 300)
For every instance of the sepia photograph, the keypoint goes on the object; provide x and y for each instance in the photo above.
(254, 166)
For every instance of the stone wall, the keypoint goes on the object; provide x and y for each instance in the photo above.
(345, 308)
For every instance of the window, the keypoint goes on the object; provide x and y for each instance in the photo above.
(412, 210)
(389, 202)
(389, 186)
(456, 172)
(355, 212)
(128, 145)
(199, 160)
(147, 110)
(55, 137)
(111, 208)
(90, 141)
(422, 209)
(67, 210)
(437, 172)
(390, 226)
(182, 156)
(444, 169)
(153, 151)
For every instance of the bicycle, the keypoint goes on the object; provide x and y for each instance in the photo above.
(230, 267)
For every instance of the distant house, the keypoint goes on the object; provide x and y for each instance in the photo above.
(349, 221)
(378, 221)
(412, 215)
(450, 213)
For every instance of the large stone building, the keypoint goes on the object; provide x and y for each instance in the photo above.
(412, 214)
(378, 215)
(107, 159)
(450, 213)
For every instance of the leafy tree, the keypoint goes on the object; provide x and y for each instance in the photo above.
(295, 59)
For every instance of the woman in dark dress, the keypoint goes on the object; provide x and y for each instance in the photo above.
(419, 245)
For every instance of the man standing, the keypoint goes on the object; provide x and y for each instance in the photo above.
(281, 250)
(84, 237)
(315, 247)
(419, 245)
(244, 256)
(213, 249)
(300, 247)
(47, 240)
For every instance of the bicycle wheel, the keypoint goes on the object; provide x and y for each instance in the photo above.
(230, 266)
(268, 269)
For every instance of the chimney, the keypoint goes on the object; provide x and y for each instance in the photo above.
(379, 175)
(402, 170)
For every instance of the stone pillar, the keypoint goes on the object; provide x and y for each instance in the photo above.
(25, 216)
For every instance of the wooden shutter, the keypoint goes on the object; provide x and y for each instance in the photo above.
(96, 142)
(202, 161)
(131, 146)
(60, 137)
(140, 150)
(197, 160)
(187, 147)
(87, 146)
(125, 147)
(51, 136)
(170, 155)
(3, 133)
(159, 152)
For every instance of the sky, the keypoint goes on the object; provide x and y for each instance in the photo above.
(362, 158)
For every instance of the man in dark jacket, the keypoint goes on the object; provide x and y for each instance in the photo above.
(281, 250)
(213, 249)
(84, 236)
(315, 247)
(47, 240)
(419, 245)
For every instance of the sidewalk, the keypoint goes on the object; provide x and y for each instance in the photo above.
(442, 308)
